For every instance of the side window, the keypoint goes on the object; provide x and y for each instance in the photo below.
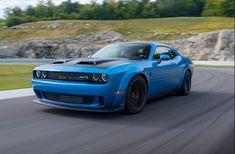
(163, 50)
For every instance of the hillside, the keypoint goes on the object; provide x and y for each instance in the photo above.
(134, 29)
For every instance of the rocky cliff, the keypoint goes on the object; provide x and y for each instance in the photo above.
(81, 46)
(206, 46)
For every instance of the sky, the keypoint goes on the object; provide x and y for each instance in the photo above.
(24, 3)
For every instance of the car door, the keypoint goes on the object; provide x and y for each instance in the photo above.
(163, 73)
(175, 70)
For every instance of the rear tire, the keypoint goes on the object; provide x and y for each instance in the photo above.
(185, 88)
(136, 95)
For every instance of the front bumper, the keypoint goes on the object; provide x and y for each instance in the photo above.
(65, 106)
(111, 101)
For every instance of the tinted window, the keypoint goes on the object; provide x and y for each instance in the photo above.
(124, 50)
(163, 50)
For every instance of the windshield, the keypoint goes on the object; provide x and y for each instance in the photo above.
(125, 50)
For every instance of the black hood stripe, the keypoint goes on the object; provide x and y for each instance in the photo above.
(98, 63)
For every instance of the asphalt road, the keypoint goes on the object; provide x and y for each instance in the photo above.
(201, 123)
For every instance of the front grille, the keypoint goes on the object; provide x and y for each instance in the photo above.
(68, 76)
(71, 76)
(76, 99)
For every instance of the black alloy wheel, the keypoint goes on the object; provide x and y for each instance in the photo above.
(136, 95)
(186, 85)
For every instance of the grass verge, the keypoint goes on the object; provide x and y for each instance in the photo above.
(15, 76)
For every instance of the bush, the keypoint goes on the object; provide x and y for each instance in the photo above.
(13, 21)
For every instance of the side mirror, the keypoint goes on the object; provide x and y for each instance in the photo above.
(164, 57)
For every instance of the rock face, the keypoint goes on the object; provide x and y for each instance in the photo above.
(206, 46)
(81, 46)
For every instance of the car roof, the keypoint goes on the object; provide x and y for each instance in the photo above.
(134, 42)
(140, 42)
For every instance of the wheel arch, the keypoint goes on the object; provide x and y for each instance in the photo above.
(124, 84)
(144, 77)
(190, 69)
(129, 77)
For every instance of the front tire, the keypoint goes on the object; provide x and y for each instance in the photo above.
(136, 95)
(185, 88)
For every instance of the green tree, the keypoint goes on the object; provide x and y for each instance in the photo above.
(41, 10)
(119, 9)
(213, 8)
(50, 8)
(7, 11)
(166, 8)
(149, 11)
(16, 11)
(199, 7)
(131, 9)
(69, 7)
(228, 8)
(185, 8)
(86, 12)
(30, 11)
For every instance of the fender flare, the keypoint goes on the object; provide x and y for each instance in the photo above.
(186, 68)
(128, 76)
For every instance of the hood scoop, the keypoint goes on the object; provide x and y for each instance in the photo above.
(87, 63)
(61, 61)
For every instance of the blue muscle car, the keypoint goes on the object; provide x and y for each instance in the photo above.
(119, 76)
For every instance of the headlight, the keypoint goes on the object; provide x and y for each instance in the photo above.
(95, 77)
(104, 77)
(44, 74)
(38, 74)
(101, 78)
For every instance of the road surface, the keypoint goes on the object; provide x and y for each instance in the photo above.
(201, 123)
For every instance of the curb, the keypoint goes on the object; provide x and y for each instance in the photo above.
(7, 94)
(214, 63)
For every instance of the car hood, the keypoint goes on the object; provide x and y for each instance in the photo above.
(97, 63)
(85, 65)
